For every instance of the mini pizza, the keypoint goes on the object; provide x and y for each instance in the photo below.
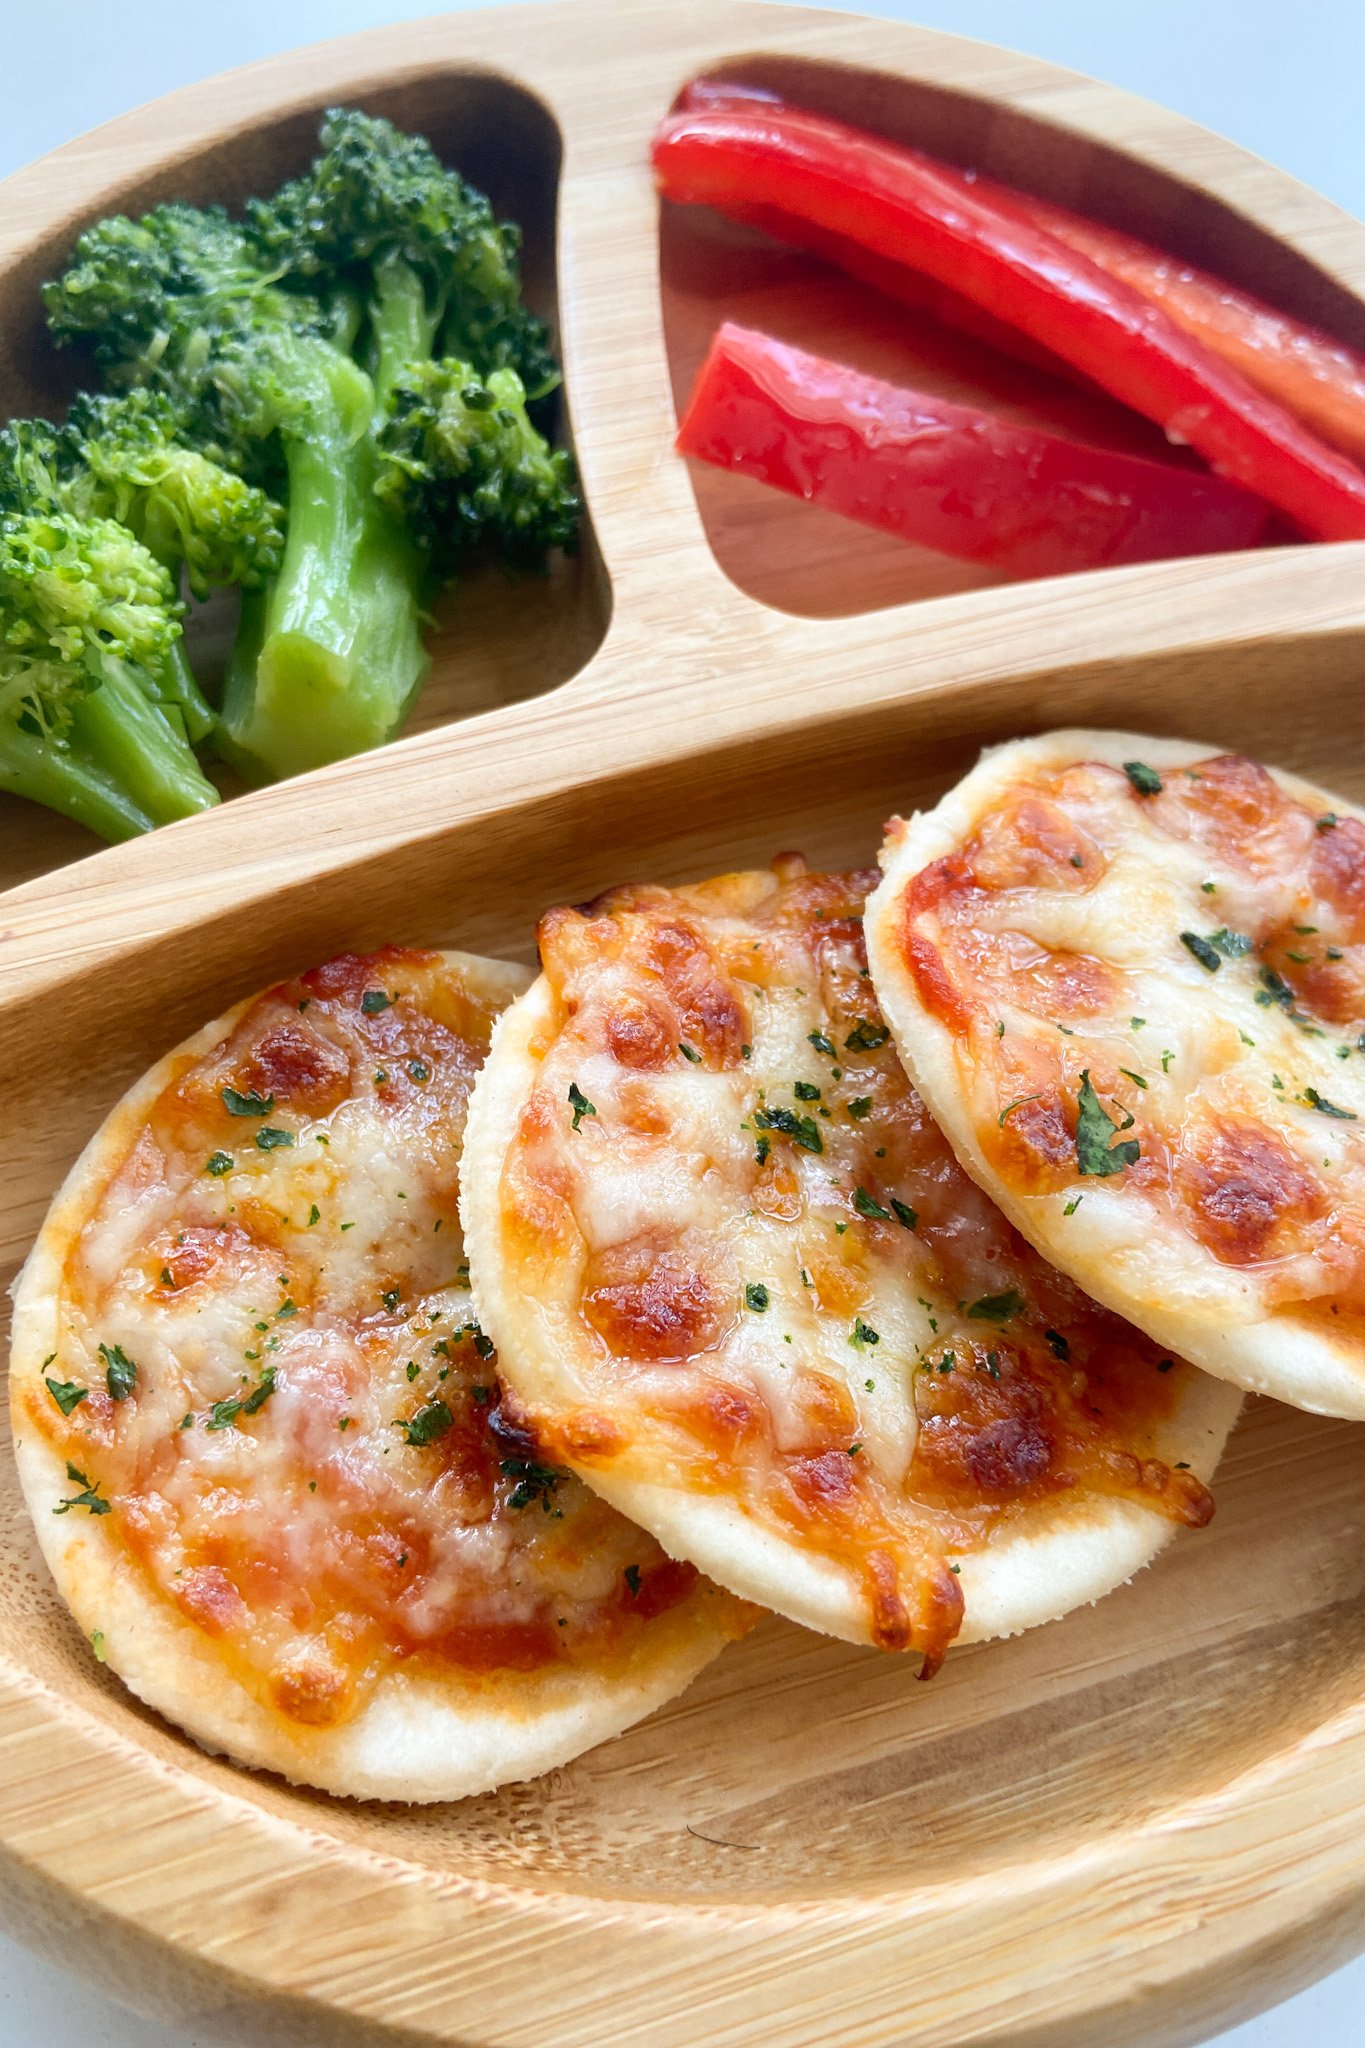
(263, 1438)
(1128, 976)
(737, 1279)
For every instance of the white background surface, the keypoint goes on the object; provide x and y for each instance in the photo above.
(1283, 80)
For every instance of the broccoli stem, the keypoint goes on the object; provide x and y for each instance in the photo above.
(181, 691)
(121, 729)
(403, 326)
(328, 661)
(179, 687)
(64, 779)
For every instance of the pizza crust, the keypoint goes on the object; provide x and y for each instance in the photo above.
(1117, 1244)
(1058, 1559)
(416, 1738)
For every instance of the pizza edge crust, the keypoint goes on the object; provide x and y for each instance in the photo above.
(415, 1739)
(1280, 1354)
(1071, 1558)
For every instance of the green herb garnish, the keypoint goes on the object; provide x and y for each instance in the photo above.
(223, 1414)
(66, 1393)
(1094, 1129)
(89, 1496)
(534, 1482)
(580, 1104)
(802, 1130)
(252, 1104)
(1145, 780)
(866, 1036)
(1204, 952)
(996, 1308)
(427, 1424)
(1326, 1108)
(120, 1372)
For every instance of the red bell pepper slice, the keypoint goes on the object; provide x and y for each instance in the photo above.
(895, 281)
(1320, 380)
(947, 476)
(908, 209)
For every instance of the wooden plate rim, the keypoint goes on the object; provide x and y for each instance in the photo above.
(57, 1759)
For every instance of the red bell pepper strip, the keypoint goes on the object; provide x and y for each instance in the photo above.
(906, 208)
(1319, 379)
(947, 476)
(894, 281)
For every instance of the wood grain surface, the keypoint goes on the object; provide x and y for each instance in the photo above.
(1128, 1828)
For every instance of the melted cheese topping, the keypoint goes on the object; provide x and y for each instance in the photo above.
(289, 1420)
(1187, 941)
(745, 1262)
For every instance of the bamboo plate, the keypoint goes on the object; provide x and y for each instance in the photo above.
(1131, 1827)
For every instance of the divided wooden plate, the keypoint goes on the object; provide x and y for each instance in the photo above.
(1135, 1826)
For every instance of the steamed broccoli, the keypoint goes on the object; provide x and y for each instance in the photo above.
(118, 458)
(88, 623)
(122, 454)
(380, 217)
(462, 463)
(292, 347)
(329, 655)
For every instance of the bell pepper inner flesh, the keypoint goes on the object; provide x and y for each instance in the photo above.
(906, 209)
(947, 476)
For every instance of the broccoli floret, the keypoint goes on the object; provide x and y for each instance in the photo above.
(329, 657)
(462, 463)
(118, 458)
(282, 342)
(122, 455)
(88, 624)
(40, 481)
(183, 302)
(77, 585)
(380, 216)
